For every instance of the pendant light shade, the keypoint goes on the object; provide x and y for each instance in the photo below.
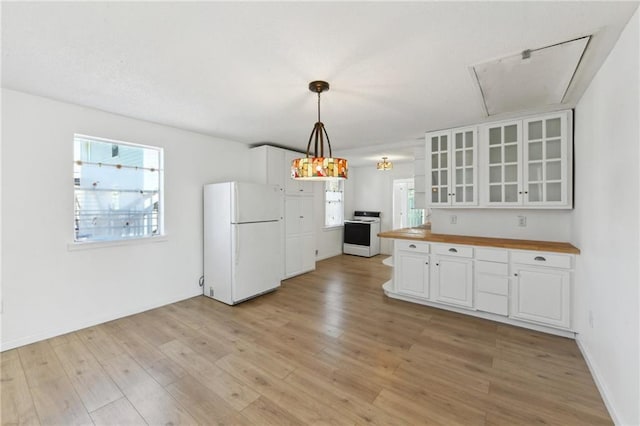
(319, 167)
(384, 164)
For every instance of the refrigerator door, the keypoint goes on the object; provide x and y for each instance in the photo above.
(257, 260)
(253, 202)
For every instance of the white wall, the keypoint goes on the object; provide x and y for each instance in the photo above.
(372, 190)
(606, 229)
(549, 225)
(49, 290)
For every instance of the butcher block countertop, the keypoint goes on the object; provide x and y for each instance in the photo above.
(426, 235)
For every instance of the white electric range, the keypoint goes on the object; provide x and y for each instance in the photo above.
(361, 234)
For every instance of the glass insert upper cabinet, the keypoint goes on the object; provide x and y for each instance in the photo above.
(452, 172)
(528, 162)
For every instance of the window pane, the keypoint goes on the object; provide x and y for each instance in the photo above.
(117, 190)
(333, 202)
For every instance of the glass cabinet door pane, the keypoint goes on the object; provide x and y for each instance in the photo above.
(511, 133)
(459, 194)
(535, 192)
(495, 193)
(459, 178)
(443, 160)
(468, 176)
(434, 195)
(554, 170)
(434, 161)
(553, 128)
(511, 193)
(468, 157)
(443, 143)
(434, 144)
(495, 136)
(554, 191)
(434, 178)
(495, 174)
(495, 155)
(458, 140)
(468, 140)
(468, 194)
(444, 177)
(443, 195)
(459, 159)
(553, 149)
(510, 153)
(535, 172)
(511, 173)
(535, 130)
(535, 151)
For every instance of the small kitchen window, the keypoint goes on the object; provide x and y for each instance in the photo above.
(333, 203)
(117, 190)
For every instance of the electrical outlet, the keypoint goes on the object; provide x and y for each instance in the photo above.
(453, 219)
(590, 318)
(522, 221)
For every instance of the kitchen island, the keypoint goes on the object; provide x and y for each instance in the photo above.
(526, 283)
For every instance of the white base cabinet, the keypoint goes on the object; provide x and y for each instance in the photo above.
(412, 271)
(525, 288)
(452, 280)
(542, 295)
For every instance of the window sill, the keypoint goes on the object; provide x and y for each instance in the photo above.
(128, 242)
(332, 228)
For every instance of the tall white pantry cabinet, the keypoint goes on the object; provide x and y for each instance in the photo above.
(272, 165)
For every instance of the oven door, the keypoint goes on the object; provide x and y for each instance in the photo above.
(358, 233)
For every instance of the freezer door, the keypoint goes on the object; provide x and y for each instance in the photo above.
(253, 202)
(257, 261)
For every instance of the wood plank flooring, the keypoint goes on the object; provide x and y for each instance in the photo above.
(326, 348)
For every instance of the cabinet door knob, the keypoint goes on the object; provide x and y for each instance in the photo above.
(515, 275)
(426, 263)
(526, 192)
(412, 246)
(452, 250)
(519, 192)
(437, 264)
(540, 259)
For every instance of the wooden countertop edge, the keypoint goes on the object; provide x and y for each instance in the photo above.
(423, 235)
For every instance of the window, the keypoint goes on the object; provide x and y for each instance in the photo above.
(333, 203)
(405, 215)
(117, 190)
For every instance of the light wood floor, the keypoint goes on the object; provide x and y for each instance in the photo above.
(327, 347)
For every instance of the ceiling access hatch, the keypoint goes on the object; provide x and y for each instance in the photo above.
(531, 79)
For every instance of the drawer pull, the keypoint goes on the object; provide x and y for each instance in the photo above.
(540, 259)
(412, 246)
(452, 250)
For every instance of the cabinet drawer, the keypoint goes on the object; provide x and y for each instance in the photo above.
(453, 250)
(492, 284)
(492, 268)
(541, 259)
(412, 246)
(493, 303)
(492, 255)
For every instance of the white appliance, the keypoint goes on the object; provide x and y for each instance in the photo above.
(361, 234)
(242, 250)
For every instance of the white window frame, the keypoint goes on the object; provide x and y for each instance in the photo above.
(328, 187)
(156, 237)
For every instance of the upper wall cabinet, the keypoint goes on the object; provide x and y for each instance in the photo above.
(528, 162)
(525, 162)
(452, 172)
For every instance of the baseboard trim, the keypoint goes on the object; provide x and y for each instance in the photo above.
(47, 334)
(602, 388)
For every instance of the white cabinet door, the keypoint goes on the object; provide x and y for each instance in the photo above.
(452, 280)
(292, 214)
(306, 215)
(545, 160)
(411, 273)
(293, 186)
(308, 253)
(293, 256)
(541, 295)
(504, 163)
(452, 170)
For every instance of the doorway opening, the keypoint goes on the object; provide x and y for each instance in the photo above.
(405, 215)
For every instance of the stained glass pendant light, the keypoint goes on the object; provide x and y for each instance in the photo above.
(384, 164)
(319, 167)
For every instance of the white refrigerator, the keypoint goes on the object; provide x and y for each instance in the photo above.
(242, 232)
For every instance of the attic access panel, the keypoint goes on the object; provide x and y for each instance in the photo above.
(530, 79)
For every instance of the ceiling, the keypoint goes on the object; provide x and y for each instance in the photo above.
(240, 70)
